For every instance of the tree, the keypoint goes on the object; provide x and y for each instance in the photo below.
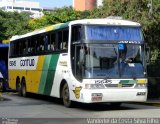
(2, 29)
(13, 23)
(58, 15)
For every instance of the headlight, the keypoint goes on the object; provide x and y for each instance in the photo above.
(141, 83)
(141, 86)
(94, 86)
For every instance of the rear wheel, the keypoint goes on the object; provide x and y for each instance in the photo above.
(65, 96)
(18, 86)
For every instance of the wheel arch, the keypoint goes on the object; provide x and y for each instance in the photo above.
(61, 87)
(23, 79)
(23, 87)
(17, 81)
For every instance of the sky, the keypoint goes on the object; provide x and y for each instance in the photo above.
(53, 3)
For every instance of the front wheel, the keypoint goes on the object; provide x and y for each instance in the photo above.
(65, 96)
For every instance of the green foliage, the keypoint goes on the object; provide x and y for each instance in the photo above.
(58, 15)
(13, 23)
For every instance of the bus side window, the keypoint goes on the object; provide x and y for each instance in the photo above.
(41, 44)
(65, 39)
(49, 42)
(37, 44)
(30, 46)
(14, 49)
(28, 51)
(59, 40)
(21, 47)
(17, 48)
(33, 45)
(76, 33)
(11, 49)
(25, 50)
(45, 39)
(52, 42)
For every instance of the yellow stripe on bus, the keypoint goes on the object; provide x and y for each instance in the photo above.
(35, 76)
(32, 77)
(141, 81)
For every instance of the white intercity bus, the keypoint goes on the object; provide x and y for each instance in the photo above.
(88, 61)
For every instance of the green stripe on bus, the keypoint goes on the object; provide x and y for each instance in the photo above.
(64, 25)
(44, 74)
(124, 82)
(51, 74)
(128, 82)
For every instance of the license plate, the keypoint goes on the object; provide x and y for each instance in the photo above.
(96, 98)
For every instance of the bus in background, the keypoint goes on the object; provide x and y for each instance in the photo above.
(4, 67)
(88, 61)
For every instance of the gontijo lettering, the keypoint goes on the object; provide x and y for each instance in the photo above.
(27, 62)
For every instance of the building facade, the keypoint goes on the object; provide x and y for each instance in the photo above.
(19, 6)
(82, 5)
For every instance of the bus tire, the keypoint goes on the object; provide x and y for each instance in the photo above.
(23, 88)
(65, 96)
(18, 86)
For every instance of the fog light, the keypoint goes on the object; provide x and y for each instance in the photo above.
(141, 93)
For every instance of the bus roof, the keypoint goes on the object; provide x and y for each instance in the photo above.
(104, 21)
(42, 30)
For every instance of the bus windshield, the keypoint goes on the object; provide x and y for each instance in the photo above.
(110, 61)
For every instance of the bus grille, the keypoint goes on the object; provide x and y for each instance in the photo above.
(119, 85)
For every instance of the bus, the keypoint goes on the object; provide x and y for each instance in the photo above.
(87, 61)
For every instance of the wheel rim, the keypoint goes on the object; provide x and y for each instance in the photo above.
(19, 87)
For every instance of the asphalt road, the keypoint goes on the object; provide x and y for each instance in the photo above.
(40, 109)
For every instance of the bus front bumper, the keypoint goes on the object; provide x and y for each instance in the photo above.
(113, 95)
